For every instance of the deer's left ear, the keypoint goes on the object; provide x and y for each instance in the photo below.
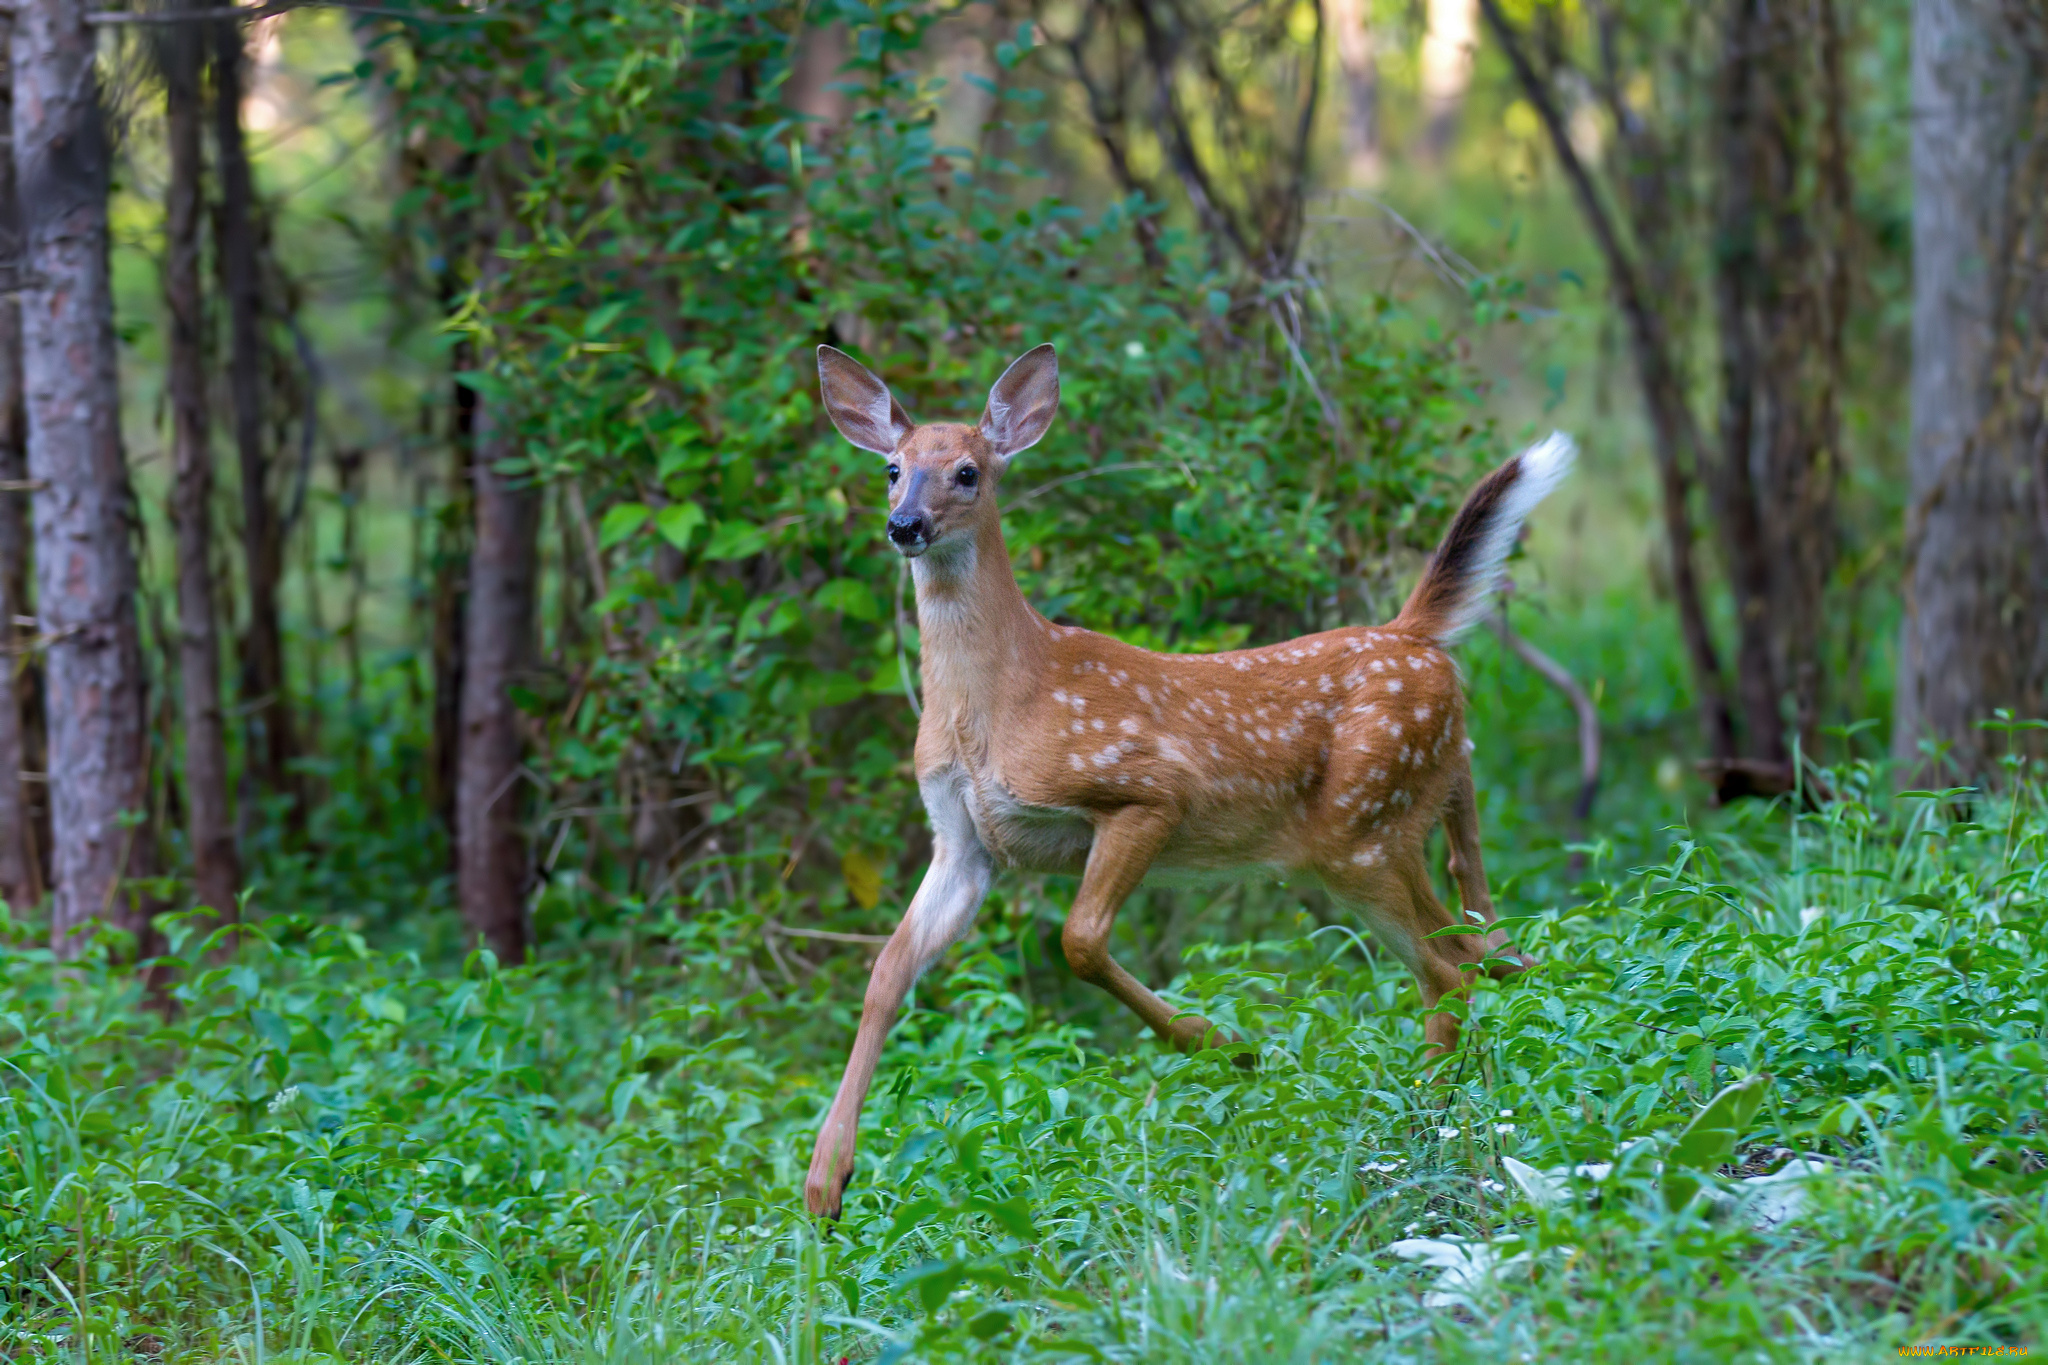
(1022, 404)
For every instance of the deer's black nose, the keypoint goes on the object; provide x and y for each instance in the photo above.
(907, 528)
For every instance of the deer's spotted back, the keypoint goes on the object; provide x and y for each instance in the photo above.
(1307, 749)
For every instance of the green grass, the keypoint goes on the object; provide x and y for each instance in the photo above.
(334, 1152)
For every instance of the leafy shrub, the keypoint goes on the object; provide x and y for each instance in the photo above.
(1234, 460)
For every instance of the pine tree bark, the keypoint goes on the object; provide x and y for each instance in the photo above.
(492, 861)
(216, 871)
(1975, 636)
(263, 682)
(84, 510)
(20, 878)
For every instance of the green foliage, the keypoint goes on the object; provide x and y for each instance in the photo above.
(674, 251)
(342, 1155)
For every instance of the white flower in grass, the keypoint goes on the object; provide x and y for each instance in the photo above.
(1447, 1133)
(284, 1099)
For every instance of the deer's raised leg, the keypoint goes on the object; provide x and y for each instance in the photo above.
(939, 913)
(1125, 845)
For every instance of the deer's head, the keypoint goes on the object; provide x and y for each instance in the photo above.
(942, 476)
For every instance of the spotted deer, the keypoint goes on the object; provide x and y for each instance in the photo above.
(1049, 748)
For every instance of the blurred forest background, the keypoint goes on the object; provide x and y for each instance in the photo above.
(418, 525)
(470, 536)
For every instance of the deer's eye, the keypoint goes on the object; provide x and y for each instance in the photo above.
(894, 472)
(968, 476)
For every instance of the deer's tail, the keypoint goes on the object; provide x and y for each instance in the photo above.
(1463, 572)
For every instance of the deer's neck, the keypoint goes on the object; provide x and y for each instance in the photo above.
(982, 643)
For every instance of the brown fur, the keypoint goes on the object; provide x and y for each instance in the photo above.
(1050, 748)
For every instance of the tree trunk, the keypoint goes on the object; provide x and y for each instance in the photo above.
(454, 523)
(1643, 290)
(21, 883)
(263, 683)
(84, 512)
(491, 854)
(1975, 636)
(1781, 284)
(1448, 46)
(1351, 24)
(216, 872)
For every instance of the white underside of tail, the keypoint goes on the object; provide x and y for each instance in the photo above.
(1543, 467)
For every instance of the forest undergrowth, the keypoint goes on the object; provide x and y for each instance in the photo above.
(332, 1150)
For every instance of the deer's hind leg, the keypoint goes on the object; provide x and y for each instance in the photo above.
(1390, 889)
(1468, 869)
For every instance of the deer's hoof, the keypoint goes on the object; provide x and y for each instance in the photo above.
(825, 1197)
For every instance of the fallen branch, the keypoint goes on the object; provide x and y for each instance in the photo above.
(1558, 676)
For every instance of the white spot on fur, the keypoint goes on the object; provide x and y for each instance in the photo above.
(1393, 684)
(1074, 760)
(1369, 856)
(1128, 726)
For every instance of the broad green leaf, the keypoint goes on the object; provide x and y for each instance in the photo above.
(486, 384)
(601, 319)
(620, 522)
(678, 521)
(661, 352)
(850, 596)
(736, 540)
(1709, 1140)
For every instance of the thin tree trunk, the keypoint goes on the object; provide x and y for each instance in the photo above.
(1448, 45)
(270, 747)
(216, 871)
(84, 512)
(348, 477)
(491, 853)
(1975, 636)
(1351, 25)
(20, 878)
(1675, 436)
(454, 524)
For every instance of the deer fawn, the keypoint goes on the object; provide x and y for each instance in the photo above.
(1054, 749)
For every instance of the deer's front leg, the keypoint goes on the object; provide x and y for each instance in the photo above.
(939, 914)
(1125, 845)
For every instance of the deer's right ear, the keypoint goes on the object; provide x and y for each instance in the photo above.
(860, 404)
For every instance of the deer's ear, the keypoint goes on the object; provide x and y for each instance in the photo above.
(1022, 404)
(860, 404)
